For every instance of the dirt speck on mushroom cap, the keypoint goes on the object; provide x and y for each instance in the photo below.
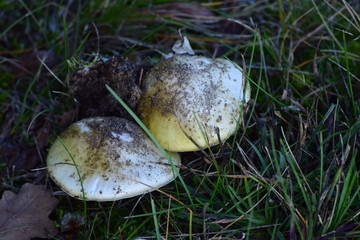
(192, 94)
(115, 159)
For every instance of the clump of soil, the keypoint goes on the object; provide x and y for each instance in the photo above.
(87, 86)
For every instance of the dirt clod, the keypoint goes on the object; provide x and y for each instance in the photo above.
(87, 86)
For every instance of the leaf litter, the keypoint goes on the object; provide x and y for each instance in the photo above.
(25, 215)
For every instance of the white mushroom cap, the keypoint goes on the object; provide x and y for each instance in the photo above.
(114, 157)
(191, 97)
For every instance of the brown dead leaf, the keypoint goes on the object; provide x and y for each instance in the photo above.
(25, 215)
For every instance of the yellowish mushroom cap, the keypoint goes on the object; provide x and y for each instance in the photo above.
(191, 99)
(114, 157)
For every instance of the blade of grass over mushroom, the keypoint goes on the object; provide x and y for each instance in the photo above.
(142, 125)
(139, 122)
(80, 180)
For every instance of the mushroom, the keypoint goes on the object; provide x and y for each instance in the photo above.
(107, 159)
(192, 102)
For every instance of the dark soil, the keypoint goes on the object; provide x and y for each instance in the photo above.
(88, 87)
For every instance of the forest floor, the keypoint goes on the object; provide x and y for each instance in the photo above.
(291, 171)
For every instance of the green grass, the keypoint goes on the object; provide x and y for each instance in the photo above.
(290, 172)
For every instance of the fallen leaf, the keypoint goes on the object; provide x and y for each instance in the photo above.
(25, 215)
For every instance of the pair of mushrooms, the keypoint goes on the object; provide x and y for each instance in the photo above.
(188, 102)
